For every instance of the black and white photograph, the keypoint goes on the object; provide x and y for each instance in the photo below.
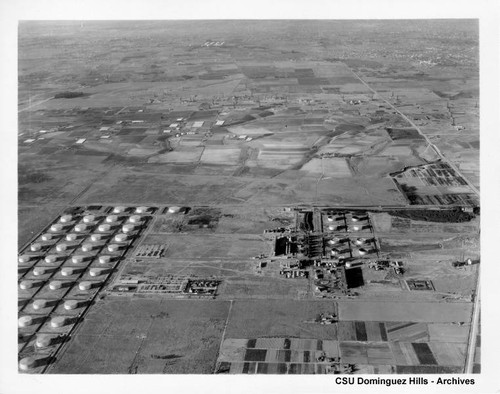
(251, 196)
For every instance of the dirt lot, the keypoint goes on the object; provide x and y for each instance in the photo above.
(146, 336)
(208, 247)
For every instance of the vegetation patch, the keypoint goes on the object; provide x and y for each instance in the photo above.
(68, 94)
(434, 215)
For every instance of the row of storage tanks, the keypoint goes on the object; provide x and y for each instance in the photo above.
(343, 222)
(56, 289)
(358, 247)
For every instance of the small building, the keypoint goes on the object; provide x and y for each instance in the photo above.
(81, 140)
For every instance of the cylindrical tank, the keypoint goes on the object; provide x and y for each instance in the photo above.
(333, 241)
(118, 209)
(104, 259)
(71, 237)
(173, 209)
(113, 247)
(141, 210)
(88, 218)
(98, 271)
(71, 304)
(55, 228)
(96, 237)
(87, 247)
(24, 258)
(330, 218)
(79, 228)
(362, 251)
(25, 321)
(356, 228)
(46, 237)
(127, 228)
(57, 284)
(51, 259)
(111, 219)
(61, 247)
(28, 284)
(37, 271)
(35, 247)
(135, 219)
(44, 340)
(65, 218)
(40, 304)
(28, 363)
(67, 271)
(360, 241)
(58, 321)
(77, 259)
(86, 285)
(331, 228)
(334, 252)
(104, 227)
(121, 237)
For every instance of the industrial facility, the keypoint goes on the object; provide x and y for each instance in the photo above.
(62, 270)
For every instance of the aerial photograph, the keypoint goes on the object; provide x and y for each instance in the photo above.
(248, 197)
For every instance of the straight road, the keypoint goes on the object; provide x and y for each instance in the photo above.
(471, 344)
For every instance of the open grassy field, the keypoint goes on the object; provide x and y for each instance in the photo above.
(209, 246)
(217, 155)
(190, 155)
(331, 167)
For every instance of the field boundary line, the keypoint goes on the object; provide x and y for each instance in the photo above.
(223, 334)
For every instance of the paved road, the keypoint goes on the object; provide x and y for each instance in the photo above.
(438, 152)
(471, 344)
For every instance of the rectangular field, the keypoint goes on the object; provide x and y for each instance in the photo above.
(279, 318)
(146, 336)
(405, 311)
